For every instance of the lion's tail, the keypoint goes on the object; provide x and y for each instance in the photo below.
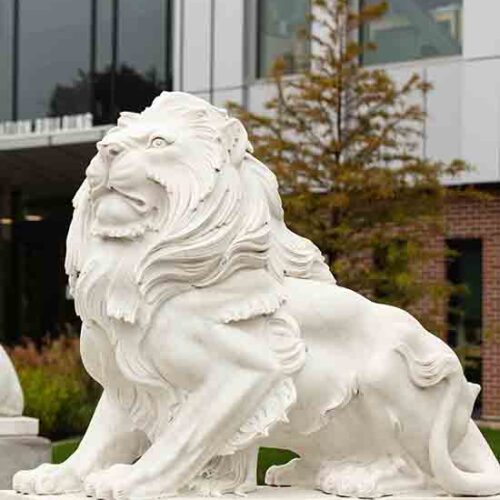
(446, 369)
(447, 474)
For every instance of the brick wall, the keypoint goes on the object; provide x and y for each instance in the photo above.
(474, 219)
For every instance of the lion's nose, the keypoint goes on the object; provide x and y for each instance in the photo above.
(110, 150)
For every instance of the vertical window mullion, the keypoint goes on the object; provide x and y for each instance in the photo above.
(114, 56)
(168, 41)
(15, 59)
(93, 56)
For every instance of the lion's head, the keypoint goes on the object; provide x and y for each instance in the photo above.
(178, 182)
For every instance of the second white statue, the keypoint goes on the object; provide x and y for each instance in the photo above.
(214, 330)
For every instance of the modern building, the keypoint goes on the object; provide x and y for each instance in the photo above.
(67, 67)
(85, 60)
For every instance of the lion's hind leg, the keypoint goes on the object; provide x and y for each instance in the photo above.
(236, 473)
(439, 369)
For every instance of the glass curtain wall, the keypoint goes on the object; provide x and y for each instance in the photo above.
(6, 58)
(54, 59)
(280, 28)
(132, 59)
(415, 29)
(78, 56)
(64, 57)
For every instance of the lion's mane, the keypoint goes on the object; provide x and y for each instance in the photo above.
(219, 218)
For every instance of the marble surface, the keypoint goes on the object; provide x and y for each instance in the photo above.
(262, 493)
(18, 426)
(11, 394)
(21, 452)
(214, 329)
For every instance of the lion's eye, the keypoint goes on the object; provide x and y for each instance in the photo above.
(158, 142)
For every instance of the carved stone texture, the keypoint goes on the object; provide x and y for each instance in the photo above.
(21, 452)
(262, 493)
(11, 394)
(214, 330)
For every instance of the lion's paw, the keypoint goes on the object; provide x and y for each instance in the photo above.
(371, 479)
(47, 479)
(348, 486)
(108, 484)
(350, 480)
(297, 472)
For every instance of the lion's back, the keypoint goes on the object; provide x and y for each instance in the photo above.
(324, 308)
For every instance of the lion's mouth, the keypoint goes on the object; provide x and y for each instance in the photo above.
(120, 212)
(136, 202)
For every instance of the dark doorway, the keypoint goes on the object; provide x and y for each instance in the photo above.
(465, 308)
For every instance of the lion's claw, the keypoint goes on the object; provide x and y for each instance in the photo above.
(107, 484)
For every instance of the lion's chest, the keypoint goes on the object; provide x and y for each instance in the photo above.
(147, 344)
(128, 371)
(106, 289)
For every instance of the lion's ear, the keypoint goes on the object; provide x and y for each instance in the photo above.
(235, 139)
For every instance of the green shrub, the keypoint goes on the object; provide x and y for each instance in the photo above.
(57, 389)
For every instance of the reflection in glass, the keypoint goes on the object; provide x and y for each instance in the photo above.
(415, 29)
(54, 41)
(281, 24)
(103, 30)
(133, 92)
(6, 15)
(102, 56)
(142, 38)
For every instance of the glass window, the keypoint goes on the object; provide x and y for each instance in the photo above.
(464, 268)
(465, 317)
(59, 74)
(6, 34)
(144, 54)
(279, 34)
(141, 71)
(54, 50)
(103, 87)
(141, 59)
(415, 29)
(103, 31)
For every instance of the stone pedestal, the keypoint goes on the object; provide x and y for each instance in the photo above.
(262, 493)
(18, 426)
(20, 447)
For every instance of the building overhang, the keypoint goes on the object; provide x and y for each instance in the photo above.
(47, 164)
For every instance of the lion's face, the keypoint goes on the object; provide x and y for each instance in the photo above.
(125, 201)
(178, 179)
(138, 166)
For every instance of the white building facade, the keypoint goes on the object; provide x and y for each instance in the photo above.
(223, 50)
(220, 44)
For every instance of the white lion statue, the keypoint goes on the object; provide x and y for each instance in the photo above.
(215, 330)
(11, 394)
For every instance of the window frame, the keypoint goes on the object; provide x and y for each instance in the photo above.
(93, 48)
(253, 56)
(362, 40)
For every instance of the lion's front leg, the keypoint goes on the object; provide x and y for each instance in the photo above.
(110, 438)
(208, 419)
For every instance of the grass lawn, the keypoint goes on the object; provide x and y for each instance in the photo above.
(493, 438)
(267, 456)
(61, 450)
